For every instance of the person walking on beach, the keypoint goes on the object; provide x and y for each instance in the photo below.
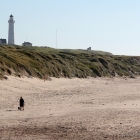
(21, 103)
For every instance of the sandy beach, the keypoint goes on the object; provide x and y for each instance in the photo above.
(70, 109)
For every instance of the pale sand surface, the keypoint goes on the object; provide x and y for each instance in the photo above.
(76, 109)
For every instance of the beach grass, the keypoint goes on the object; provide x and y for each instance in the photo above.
(50, 62)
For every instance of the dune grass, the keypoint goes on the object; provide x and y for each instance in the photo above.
(45, 61)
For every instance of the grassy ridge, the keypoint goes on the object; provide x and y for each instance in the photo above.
(38, 62)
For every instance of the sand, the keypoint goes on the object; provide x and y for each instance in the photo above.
(70, 109)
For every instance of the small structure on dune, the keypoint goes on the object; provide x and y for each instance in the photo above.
(26, 44)
(3, 41)
(89, 49)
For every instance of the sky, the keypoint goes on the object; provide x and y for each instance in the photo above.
(105, 25)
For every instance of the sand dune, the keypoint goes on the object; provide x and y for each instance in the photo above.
(76, 109)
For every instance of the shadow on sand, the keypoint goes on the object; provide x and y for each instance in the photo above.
(12, 110)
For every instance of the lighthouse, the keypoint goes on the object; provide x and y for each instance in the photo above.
(11, 40)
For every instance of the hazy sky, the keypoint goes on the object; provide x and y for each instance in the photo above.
(107, 25)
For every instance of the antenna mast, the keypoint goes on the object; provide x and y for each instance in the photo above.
(56, 38)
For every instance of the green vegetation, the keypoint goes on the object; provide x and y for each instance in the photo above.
(41, 61)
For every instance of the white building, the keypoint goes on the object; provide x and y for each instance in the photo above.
(26, 44)
(11, 39)
(3, 41)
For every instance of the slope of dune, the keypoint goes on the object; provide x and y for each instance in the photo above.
(48, 62)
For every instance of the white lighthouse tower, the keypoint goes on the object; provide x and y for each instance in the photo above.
(11, 40)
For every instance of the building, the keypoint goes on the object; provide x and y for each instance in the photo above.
(88, 49)
(11, 39)
(3, 41)
(26, 44)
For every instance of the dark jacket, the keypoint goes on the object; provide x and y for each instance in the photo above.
(21, 102)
